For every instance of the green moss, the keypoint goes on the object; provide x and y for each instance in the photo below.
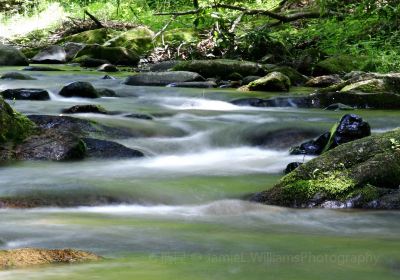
(181, 35)
(295, 77)
(274, 81)
(139, 39)
(339, 64)
(115, 55)
(368, 86)
(96, 36)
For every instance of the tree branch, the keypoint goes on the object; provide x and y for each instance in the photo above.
(277, 16)
(96, 21)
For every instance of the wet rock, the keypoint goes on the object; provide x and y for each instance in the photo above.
(229, 84)
(51, 55)
(368, 86)
(163, 66)
(16, 76)
(106, 92)
(339, 107)
(205, 84)
(301, 102)
(90, 108)
(17, 258)
(324, 81)
(51, 145)
(10, 56)
(72, 48)
(108, 77)
(79, 89)
(221, 68)
(277, 139)
(41, 68)
(139, 116)
(86, 61)
(162, 78)
(25, 94)
(106, 149)
(114, 55)
(254, 102)
(107, 68)
(274, 81)
(360, 174)
(292, 166)
(248, 79)
(351, 127)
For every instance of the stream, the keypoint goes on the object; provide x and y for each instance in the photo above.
(186, 214)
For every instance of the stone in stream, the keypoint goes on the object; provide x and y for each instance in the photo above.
(248, 79)
(106, 149)
(79, 89)
(274, 81)
(107, 77)
(86, 61)
(25, 94)
(16, 76)
(364, 173)
(206, 84)
(114, 55)
(351, 127)
(107, 68)
(106, 92)
(294, 76)
(295, 101)
(72, 48)
(10, 56)
(51, 55)
(41, 68)
(139, 116)
(292, 166)
(162, 78)
(17, 258)
(339, 107)
(87, 108)
(324, 81)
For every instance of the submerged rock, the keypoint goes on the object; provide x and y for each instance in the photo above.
(139, 116)
(51, 55)
(107, 68)
(162, 78)
(10, 56)
(41, 68)
(25, 94)
(87, 108)
(206, 84)
(17, 258)
(351, 127)
(274, 81)
(339, 107)
(221, 68)
(106, 149)
(360, 174)
(79, 89)
(106, 92)
(16, 76)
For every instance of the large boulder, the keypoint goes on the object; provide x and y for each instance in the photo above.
(25, 94)
(139, 39)
(274, 81)
(87, 108)
(16, 76)
(10, 56)
(95, 36)
(361, 174)
(51, 55)
(106, 149)
(351, 127)
(221, 68)
(17, 258)
(72, 48)
(324, 81)
(368, 86)
(295, 77)
(162, 78)
(79, 89)
(114, 55)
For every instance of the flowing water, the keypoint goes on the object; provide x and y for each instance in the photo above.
(185, 214)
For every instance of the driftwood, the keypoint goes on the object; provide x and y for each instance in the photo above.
(95, 20)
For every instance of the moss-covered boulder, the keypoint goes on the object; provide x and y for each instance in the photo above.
(10, 56)
(324, 81)
(296, 78)
(139, 39)
(114, 55)
(179, 35)
(33, 256)
(339, 64)
(96, 36)
(16, 76)
(221, 68)
(368, 86)
(361, 174)
(274, 81)
(14, 127)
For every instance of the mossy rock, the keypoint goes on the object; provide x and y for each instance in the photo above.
(14, 127)
(95, 36)
(181, 35)
(339, 65)
(10, 56)
(138, 39)
(221, 68)
(296, 78)
(274, 81)
(114, 55)
(368, 86)
(355, 174)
